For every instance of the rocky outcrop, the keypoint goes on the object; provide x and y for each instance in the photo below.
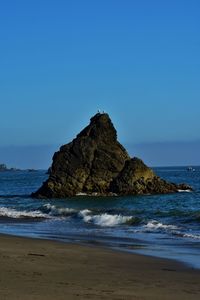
(136, 178)
(4, 168)
(95, 163)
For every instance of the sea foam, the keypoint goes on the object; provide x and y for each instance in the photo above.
(17, 214)
(155, 225)
(58, 211)
(104, 219)
(192, 236)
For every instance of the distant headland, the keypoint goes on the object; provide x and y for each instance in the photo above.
(3, 168)
(95, 163)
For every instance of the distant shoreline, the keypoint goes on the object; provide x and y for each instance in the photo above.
(46, 169)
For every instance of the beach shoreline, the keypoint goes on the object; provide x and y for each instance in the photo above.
(45, 269)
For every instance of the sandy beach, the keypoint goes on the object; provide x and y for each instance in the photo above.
(41, 269)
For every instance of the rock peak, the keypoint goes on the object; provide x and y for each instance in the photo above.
(100, 116)
(100, 127)
(95, 163)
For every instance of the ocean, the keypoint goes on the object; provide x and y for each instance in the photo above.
(165, 226)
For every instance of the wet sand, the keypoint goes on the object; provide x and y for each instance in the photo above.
(40, 269)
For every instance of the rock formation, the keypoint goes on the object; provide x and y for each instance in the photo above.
(95, 163)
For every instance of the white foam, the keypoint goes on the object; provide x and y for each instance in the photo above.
(103, 219)
(16, 214)
(192, 236)
(154, 225)
(81, 194)
(85, 215)
(184, 191)
(61, 211)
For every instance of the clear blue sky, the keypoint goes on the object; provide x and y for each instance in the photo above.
(62, 60)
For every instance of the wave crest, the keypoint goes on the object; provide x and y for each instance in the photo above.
(104, 219)
(155, 225)
(57, 211)
(17, 214)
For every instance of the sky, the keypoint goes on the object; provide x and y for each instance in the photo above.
(61, 61)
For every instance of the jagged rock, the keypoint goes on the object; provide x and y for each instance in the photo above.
(95, 163)
(136, 178)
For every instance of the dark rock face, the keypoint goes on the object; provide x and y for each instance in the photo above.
(97, 164)
(133, 178)
(136, 178)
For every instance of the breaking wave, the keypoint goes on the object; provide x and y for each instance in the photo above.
(155, 225)
(192, 236)
(58, 211)
(104, 219)
(17, 214)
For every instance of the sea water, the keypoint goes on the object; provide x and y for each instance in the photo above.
(159, 225)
